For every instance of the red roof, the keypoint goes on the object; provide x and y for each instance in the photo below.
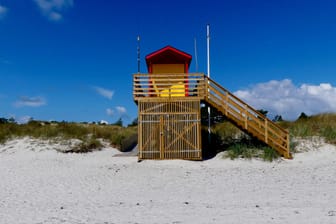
(168, 55)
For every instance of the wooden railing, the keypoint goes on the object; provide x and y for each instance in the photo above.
(146, 87)
(168, 85)
(247, 118)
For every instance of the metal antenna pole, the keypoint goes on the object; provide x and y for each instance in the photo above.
(138, 53)
(208, 71)
(208, 50)
(196, 58)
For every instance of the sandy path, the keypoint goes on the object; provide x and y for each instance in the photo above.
(44, 186)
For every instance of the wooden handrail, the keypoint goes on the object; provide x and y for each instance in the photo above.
(240, 101)
(247, 118)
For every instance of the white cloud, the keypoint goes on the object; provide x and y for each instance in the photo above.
(53, 9)
(103, 122)
(104, 92)
(118, 109)
(55, 16)
(109, 112)
(26, 101)
(23, 119)
(3, 11)
(286, 99)
(121, 110)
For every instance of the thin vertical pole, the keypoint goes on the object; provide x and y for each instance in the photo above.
(196, 58)
(161, 138)
(138, 53)
(208, 50)
(208, 71)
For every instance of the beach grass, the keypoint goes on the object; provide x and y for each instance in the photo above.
(239, 145)
(89, 134)
(323, 125)
(224, 135)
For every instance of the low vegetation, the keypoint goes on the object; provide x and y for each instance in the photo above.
(323, 125)
(224, 136)
(239, 145)
(249, 151)
(91, 135)
(88, 145)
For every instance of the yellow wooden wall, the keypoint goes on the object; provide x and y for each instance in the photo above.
(167, 68)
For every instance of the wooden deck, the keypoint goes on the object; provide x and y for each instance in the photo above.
(200, 88)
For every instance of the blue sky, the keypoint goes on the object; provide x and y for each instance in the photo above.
(73, 60)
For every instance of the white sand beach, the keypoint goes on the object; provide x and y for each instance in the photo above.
(38, 184)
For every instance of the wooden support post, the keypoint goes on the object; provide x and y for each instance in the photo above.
(140, 132)
(207, 94)
(199, 136)
(245, 111)
(288, 155)
(161, 138)
(226, 103)
(266, 130)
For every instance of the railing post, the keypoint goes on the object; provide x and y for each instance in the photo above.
(266, 130)
(288, 156)
(226, 103)
(206, 89)
(245, 111)
(140, 130)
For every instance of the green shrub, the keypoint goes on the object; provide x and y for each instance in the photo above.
(241, 150)
(248, 148)
(269, 154)
(89, 145)
(329, 133)
(226, 131)
(3, 137)
(7, 130)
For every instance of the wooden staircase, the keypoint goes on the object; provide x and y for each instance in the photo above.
(246, 118)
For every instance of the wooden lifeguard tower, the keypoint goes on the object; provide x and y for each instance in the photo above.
(169, 114)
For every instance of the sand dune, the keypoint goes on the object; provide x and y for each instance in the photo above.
(38, 184)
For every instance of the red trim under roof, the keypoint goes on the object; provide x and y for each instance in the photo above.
(168, 55)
